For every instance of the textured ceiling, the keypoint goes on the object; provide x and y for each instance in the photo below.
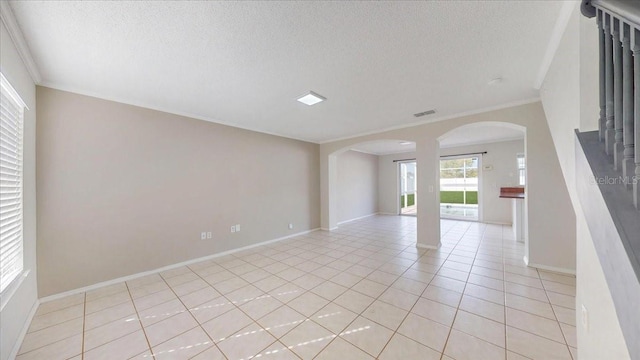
(244, 63)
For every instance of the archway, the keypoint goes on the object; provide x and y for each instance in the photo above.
(494, 154)
(550, 233)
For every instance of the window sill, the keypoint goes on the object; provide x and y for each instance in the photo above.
(8, 293)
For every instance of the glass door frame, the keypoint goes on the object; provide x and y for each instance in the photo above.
(399, 192)
(480, 192)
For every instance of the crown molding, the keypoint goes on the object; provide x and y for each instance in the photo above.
(554, 42)
(215, 121)
(77, 91)
(385, 153)
(364, 152)
(9, 21)
(483, 142)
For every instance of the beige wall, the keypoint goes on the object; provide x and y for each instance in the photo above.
(502, 157)
(570, 99)
(560, 95)
(357, 185)
(602, 336)
(123, 189)
(15, 313)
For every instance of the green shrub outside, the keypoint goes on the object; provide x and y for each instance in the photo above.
(411, 200)
(457, 197)
(447, 197)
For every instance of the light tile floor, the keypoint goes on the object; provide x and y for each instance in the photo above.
(363, 291)
(459, 211)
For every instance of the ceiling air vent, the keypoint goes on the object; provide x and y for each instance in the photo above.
(428, 112)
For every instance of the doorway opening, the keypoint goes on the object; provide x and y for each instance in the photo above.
(408, 187)
(459, 187)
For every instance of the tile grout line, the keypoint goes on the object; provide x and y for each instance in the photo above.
(528, 298)
(192, 316)
(331, 301)
(48, 327)
(305, 292)
(84, 323)
(237, 307)
(139, 319)
(462, 294)
(60, 309)
(360, 314)
(504, 298)
(566, 343)
(413, 306)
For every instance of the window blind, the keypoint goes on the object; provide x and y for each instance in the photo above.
(11, 137)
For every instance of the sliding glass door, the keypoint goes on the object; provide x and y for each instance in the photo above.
(459, 186)
(408, 188)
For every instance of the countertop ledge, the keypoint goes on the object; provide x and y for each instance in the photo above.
(512, 192)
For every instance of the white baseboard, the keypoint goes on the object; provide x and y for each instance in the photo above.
(25, 328)
(553, 269)
(430, 247)
(497, 223)
(165, 268)
(328, 229)
(386, 213)
(358, 218)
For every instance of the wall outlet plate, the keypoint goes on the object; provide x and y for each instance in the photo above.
(585, 317)
(233, 229)
(203, 235)
(290, 226)
(209, 235)
(237, 227)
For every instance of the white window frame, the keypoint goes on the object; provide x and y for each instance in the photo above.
(522, 169)
(11, 140)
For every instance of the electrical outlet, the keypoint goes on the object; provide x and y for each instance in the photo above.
(290, 226)
(237, 227)
(203, 235)
(233, 229)
(585, 318)
(209, 235)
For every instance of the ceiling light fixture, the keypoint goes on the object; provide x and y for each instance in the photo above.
(406, 143)
(311, 98)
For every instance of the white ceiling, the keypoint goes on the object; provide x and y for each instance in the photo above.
(244, 63)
